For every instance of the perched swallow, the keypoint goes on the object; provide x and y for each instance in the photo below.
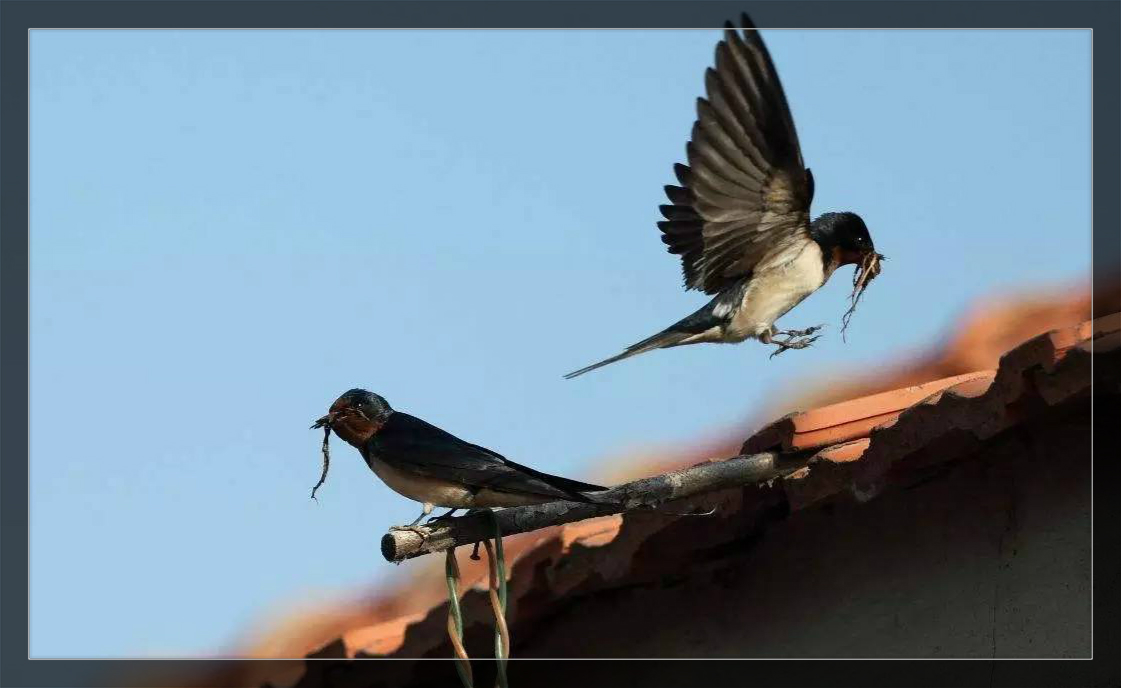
(741, 218)
(431, 466)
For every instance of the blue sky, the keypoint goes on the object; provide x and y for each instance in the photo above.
(229, 229)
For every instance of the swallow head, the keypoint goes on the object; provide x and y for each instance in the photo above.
(356, 416)
(844, 237)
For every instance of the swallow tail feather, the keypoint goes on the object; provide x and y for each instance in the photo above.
(663, 339)
(565, 488)
(702, 325)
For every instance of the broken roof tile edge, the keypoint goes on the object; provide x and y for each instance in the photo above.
(1053, 366)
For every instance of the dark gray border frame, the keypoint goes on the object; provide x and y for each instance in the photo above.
(17, 16)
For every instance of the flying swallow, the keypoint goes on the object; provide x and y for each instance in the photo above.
(426, 464)
(741, 218)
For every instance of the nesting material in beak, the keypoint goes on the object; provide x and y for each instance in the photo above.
(865, 272)
(325, 423)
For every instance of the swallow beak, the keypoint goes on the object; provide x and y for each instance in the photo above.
(868, 267)
(880, 258)
(325, 420)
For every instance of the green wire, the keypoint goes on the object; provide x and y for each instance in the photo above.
(450, 571)
(453, 604)
(500, 559)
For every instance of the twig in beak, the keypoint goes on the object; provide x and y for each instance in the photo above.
(865, 273)
(326, 425)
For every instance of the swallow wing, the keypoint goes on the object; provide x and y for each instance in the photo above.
(745, 192)
(409, 443)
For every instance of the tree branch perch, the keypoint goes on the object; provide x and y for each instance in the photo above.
(399, 545)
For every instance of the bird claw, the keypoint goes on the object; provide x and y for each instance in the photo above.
(792, 343)
(801, 333)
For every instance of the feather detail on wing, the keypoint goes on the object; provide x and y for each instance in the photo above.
(411, 444)
(745, 189)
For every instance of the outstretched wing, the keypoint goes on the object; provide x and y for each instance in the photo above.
(409, 443)
(745, 191)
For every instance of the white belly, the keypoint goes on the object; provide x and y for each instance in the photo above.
(779, 285)
(444, 493)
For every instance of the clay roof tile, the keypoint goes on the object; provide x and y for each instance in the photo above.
(858, 443)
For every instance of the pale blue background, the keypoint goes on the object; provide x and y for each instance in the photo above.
(228, 229)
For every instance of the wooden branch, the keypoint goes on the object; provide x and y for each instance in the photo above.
(399, 544)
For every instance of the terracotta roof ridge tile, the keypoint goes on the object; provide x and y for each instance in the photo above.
(980, 404)
(874, 404)
(867, 443)
(1030, 368)
(1106, 324)
(854, 418)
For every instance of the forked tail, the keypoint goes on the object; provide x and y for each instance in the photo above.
(701, 326)
(659, 341)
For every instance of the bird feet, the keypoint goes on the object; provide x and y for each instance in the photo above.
(796, 339)
(447, 515)
(801, 333)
